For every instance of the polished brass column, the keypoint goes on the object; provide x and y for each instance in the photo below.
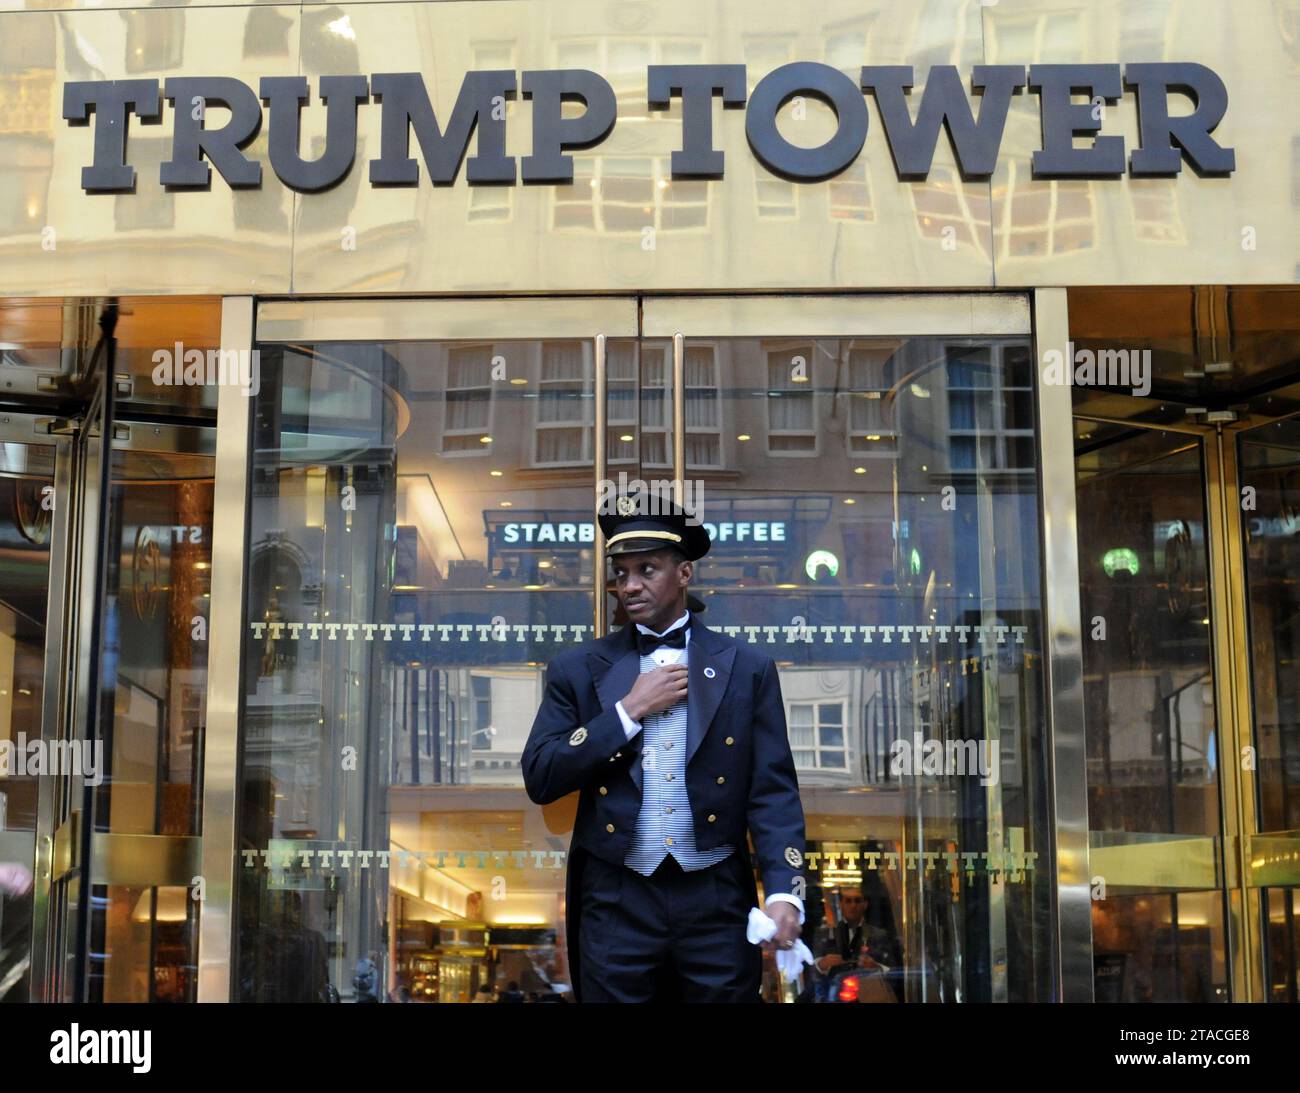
(1068, 783)
(230, 505)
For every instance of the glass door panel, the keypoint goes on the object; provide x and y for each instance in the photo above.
(153, 687)
(1269, 467)
(27, 476)
(872, 502)
(1149, 688)
(421, 545)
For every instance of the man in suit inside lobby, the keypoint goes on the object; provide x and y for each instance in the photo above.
(856, 942)
(674, 736)
(853, 940)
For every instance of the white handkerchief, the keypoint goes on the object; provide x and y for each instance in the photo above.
(761, 926)
(789, 962)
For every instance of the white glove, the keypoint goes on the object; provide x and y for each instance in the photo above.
(789, 962)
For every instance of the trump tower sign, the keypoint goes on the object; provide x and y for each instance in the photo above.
(1072, 100)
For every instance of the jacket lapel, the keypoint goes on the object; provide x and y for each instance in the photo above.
(614, 673)
(704, 692)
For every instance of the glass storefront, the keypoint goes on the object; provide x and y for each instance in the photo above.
(416, 540)
(422, 543)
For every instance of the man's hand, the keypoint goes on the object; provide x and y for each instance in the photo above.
(787, 923)
(656, 690)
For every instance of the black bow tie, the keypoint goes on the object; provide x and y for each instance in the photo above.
(648, 643)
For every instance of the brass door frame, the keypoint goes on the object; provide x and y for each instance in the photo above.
(245, 323)
(38, 429)
(1233, 662)
(1063, 625)
(1240, 838)
(112, 858)
(900, 315)
(230, 498)
(1042, 315)
(70, 617)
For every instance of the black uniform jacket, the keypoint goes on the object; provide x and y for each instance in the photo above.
(740, 774)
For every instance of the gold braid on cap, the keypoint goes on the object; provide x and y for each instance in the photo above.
(672, 536)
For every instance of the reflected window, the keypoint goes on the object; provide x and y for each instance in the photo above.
(482, 733)
(990, 408)
(849, 194)
(563, 426)
(846, 48)
(656, 406)
(24, 195)
(467, 400)
(1044, 217)
(791, 402)
(155, 39)
(774, 198)
(817, 735)
(1156, 218)
(871, 421)
(949, 211)
(629, 194)
(703, 408)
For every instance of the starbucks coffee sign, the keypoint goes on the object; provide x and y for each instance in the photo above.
(1168, 138)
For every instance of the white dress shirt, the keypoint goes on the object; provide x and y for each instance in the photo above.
(665, 655)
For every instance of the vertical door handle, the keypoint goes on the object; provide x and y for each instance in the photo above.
(679, 418)
(600, 464)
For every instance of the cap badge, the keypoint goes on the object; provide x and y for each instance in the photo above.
(625, 506)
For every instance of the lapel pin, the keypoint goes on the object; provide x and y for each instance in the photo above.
(709, 673)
